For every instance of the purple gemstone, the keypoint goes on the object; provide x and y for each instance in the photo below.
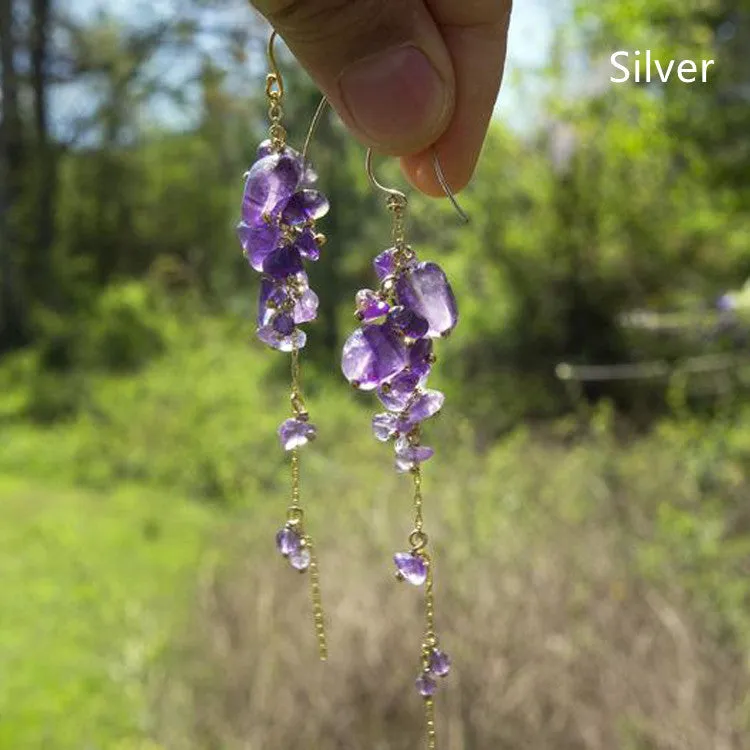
(288, 541)
(425, 290)
(426, 406)
(294, 433)
(307, 246)
(282, 262)
(408, 323)
(272, 297)
(420, 357)
(385, 263)
(265, 148)
(270, 182)
(371, 355)
(384, 426)
(300, 560)
(426, 685)
(414, 454)
(369, 305)
(283, 324)
(258, 241)
(304, 205)
(396, 394)
(268, 335)
(440, 663)
(411, 567)
(306, 308)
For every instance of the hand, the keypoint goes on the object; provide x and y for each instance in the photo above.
(404, 75)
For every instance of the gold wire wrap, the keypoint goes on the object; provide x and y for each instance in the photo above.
(295, 514)
(274, 94)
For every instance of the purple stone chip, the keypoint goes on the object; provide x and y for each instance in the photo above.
(384, 426)
(300, 560)
(306, 308)
(420, 357)
(294, 433)
(425, 290)
(268, 335)
(370, 306)
(304, 205)
(408, 323)
(371, 355)
(396, 394)
(307, 246)
(258, 241)
(282, 262)
(288, 541)
(411, 568)
(415, 454)
(385, 263)
(426, 685)
(283, 324)
(270, 183)
(440, 663)
(426, 406)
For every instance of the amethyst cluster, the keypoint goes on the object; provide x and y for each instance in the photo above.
(391, 353)
(277, 233)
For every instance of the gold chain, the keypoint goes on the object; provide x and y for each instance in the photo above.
(295, 513)
(274, 94)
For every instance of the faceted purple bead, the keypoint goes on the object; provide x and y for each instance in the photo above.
(420, 357)
(258, 241)
(304, 205)
(294, 433)
(282, 262)
(307, 246)
(426, 406)
(395, 395)
(270, 182)
(408, 323)
(265, 148)
(440, 663)
(411, 567)
(370, 306)
(384, 426)
(426, 685)
(306, 308)
(301, 559)
(288, 541)
(371, 355)
(268, 335)
(425, 290)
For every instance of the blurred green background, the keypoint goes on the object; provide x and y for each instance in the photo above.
(589, 499)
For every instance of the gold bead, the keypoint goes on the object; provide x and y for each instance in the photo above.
(320, 239)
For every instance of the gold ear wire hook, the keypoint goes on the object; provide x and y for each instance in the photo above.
(392, 192)
(274, 77)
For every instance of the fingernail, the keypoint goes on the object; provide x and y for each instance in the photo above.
(396, 96)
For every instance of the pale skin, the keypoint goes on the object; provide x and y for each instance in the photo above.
(405, 76)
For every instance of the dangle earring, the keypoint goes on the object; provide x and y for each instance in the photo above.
(392, 354)
(277, 234)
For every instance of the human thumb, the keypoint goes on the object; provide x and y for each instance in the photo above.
(381, 63)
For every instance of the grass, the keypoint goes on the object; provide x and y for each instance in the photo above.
(92, 584)
(592, 583)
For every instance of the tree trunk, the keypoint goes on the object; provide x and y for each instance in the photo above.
(46, 157)
(13, 323)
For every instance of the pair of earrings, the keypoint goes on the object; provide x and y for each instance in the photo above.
(391, 353)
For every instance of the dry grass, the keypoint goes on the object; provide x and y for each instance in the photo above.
(558, 644)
